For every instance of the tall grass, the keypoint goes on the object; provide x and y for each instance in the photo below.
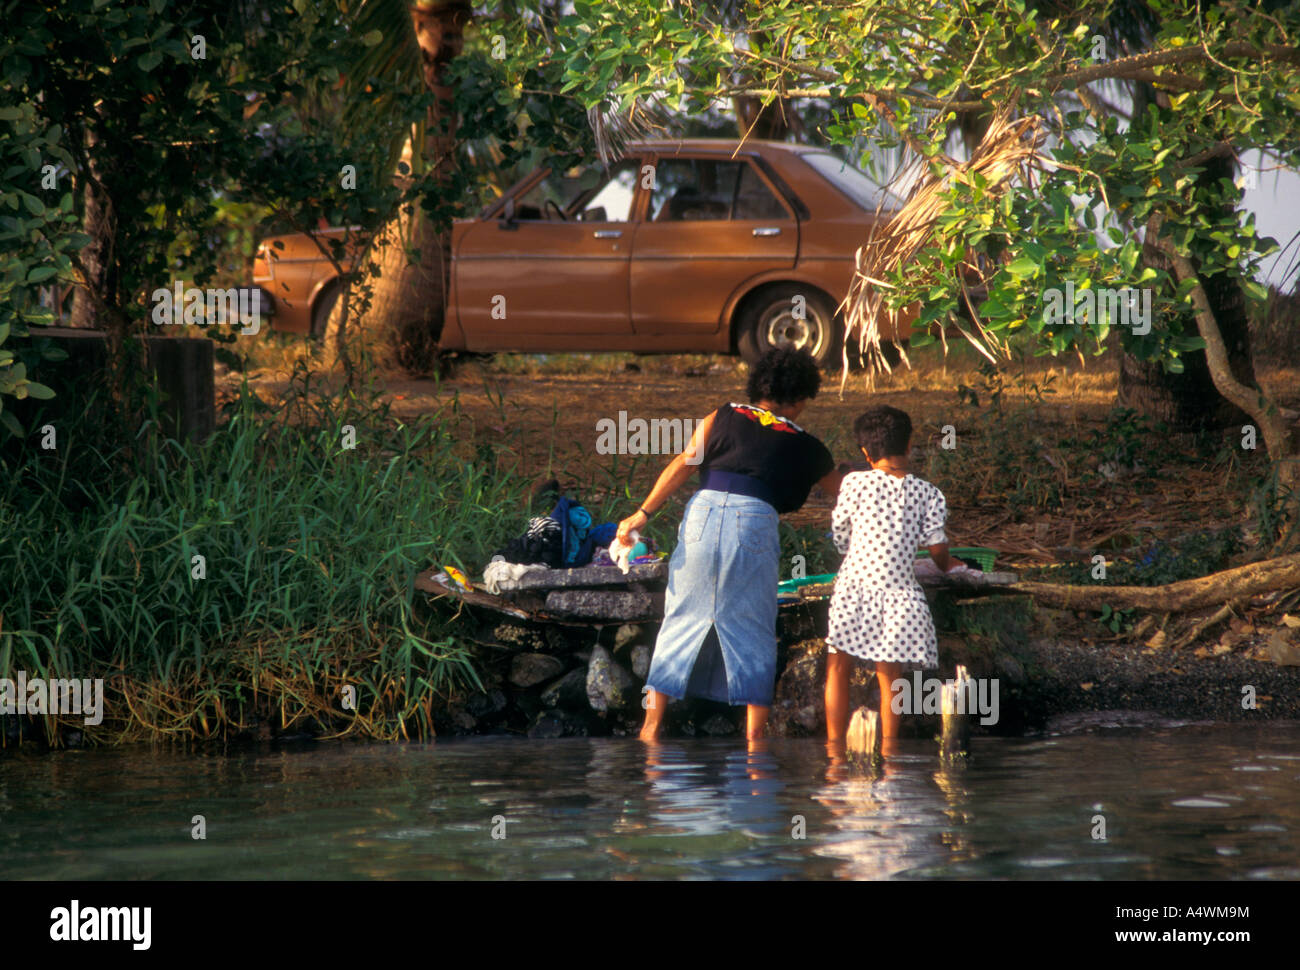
(241, 584)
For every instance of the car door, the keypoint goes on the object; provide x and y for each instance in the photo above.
(712, 222)
(550, 277)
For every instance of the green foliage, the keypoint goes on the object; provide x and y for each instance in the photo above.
(998, 455)
(36, 235)
(310, 551)
(1162, 562)
(175, 133)
(1231, 81)
(1116, 620)
(813, 543)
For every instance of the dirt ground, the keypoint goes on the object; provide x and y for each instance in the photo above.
(544, 412)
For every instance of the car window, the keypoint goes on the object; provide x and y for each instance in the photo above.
(612, 202)
(754, 200)
(709, 190)
(693, 190)
(532, 205)
(857, 185)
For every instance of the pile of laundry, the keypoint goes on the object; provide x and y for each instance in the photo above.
(565, 539)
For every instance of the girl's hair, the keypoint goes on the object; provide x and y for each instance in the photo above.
(784, 376)
(883, 431)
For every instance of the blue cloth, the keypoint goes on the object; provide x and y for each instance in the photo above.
(718, 638)
(575, 532)
(579, 526)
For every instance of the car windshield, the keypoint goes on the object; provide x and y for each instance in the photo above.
(857, 185)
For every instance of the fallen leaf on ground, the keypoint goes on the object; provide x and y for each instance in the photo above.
(1158, 640)
(1282, 651)
(1087, 686)
(1289, 620)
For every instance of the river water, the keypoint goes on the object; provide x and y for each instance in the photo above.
(1177, 801)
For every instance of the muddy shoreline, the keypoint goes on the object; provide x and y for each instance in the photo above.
(1045, 671)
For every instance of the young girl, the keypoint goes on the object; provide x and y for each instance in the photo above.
(878, 611)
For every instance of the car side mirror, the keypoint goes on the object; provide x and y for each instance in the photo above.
(595, 215)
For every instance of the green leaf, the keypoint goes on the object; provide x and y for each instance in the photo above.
(9, 421)
(39, 391)
(147, 62)
(1024, 266)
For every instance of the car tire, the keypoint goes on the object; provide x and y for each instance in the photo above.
(322, 308)
(768, 321)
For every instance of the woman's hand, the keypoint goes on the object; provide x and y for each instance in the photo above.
(637, 520)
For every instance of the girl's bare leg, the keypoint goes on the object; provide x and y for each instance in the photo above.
(886, 674)
(838, 666)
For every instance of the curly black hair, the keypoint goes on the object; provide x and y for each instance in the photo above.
(883, 431)
(784, 376)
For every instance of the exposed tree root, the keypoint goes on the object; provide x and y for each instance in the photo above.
(1282, 573)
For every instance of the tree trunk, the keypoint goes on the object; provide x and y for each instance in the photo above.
(1190, 401)
(776, 122)
(1282, 573)
(99, 223)
(409, 299)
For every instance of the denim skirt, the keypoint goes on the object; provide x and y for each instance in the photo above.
(718, 639)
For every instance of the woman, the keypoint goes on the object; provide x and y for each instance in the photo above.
(718, 638)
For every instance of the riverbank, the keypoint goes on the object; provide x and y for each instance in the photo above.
(546, 681)
(261, 586)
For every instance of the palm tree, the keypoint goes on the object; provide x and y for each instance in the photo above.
(409, 294)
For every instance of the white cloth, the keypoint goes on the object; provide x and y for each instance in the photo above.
(621, 553)
(498, 570)
(925, 568)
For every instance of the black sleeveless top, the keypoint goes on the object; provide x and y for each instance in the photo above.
(746, 440)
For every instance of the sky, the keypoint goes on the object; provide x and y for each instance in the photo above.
(1276, 204)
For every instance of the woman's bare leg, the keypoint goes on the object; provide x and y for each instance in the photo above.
(656, 704)
(755, 721)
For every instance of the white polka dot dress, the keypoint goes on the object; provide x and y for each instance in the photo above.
(878, 610)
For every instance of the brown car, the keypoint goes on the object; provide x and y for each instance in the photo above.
(684, 246)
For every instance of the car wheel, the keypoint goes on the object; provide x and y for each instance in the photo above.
(789, 316)
(321, 310)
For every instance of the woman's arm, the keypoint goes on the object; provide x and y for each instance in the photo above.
(670, 480)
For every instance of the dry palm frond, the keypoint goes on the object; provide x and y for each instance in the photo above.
(1010, 147)
(615, 129)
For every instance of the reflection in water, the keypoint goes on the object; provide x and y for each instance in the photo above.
(893, 818)
(1179, 802)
